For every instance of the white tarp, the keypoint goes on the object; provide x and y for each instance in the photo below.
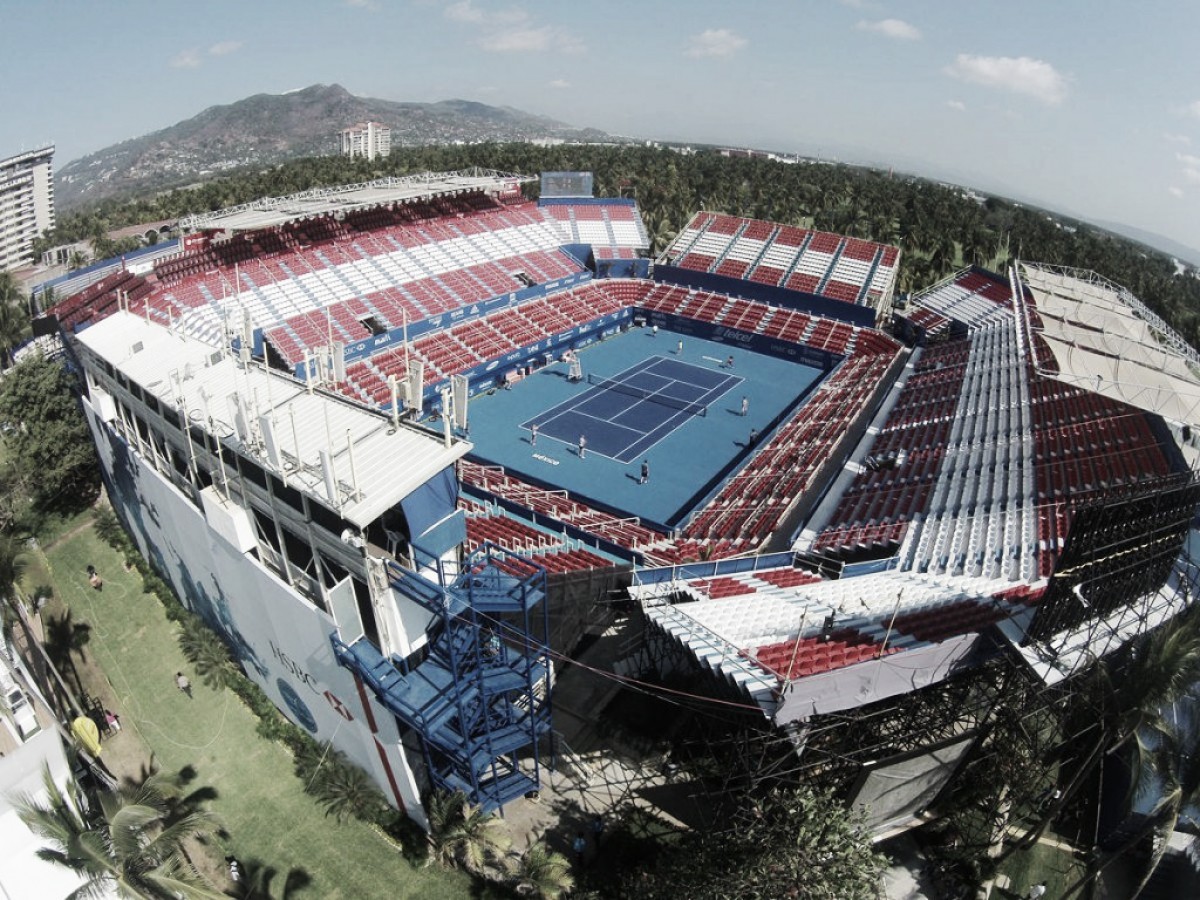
(1104, 343)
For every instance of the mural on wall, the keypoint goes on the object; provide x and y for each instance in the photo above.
(282, 639)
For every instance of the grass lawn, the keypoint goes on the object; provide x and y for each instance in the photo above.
(132, 657)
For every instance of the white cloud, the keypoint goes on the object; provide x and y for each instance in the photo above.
(1191, 167)
(957, 105)
(186, 59)
(1193, 109)
(715, 42)
(467, 13)
(1176, 138)
(530, 40)
(858, 4)
(1021, 75)
(512, 30)
(1175, 191)
(224, 48)
(560, 83)
(891, 28)
(363, 4)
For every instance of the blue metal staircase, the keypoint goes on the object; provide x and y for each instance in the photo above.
(474, 699)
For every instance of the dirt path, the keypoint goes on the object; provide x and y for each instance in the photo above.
(68, 535)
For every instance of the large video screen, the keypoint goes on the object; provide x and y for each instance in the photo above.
(566, 184)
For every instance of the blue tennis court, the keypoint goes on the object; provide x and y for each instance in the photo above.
(623, 416)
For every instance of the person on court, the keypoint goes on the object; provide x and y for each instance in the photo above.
(582, 446)
(533, 435)
(645, 472)
(745, 406)
(679, 349)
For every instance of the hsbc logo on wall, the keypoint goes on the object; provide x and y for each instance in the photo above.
(295, 703)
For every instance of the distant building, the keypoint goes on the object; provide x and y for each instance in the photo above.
(369, 139)
(26, 204)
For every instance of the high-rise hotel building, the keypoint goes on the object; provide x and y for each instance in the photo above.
(26, 204)
(367, 139)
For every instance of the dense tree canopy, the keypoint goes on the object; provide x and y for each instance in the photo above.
(14, 318)
(939, 227)
(793, 843)
(50, 448)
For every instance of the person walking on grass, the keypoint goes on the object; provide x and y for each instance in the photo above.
(184, 685)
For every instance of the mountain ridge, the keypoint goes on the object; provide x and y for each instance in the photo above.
(266, 129)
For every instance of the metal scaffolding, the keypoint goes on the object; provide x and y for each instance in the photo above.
(479, 697)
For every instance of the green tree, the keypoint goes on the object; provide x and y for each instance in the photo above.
(346, 791)
(207, 653)
(50, 443)
(134, 845)
(12, 566)
(1159, 673)
(14, 319)
(542, 873)
(1175, 772)
(462, 834)
(794, 843)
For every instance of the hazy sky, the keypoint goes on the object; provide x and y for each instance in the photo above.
(1089, 106)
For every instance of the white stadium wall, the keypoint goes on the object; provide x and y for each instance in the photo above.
(280, 639)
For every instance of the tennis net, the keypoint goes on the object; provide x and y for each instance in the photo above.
(621, 387)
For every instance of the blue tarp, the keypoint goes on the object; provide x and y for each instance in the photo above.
(432, 502)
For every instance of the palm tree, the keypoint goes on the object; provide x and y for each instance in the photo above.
(133, 846)
(12, 566)
(207, 653)
(1159, 674)
(13, 317)
(108, 527)
(1176, 771)
(462, 833)
(346, 791)
(542, 873)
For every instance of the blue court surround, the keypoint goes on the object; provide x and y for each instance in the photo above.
(688, 455)
(624, 427)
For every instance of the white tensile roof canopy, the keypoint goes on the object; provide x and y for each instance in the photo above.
(1105, 340)
(271, 211)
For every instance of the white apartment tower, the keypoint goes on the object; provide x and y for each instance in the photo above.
(369, 139)
(26, 204)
